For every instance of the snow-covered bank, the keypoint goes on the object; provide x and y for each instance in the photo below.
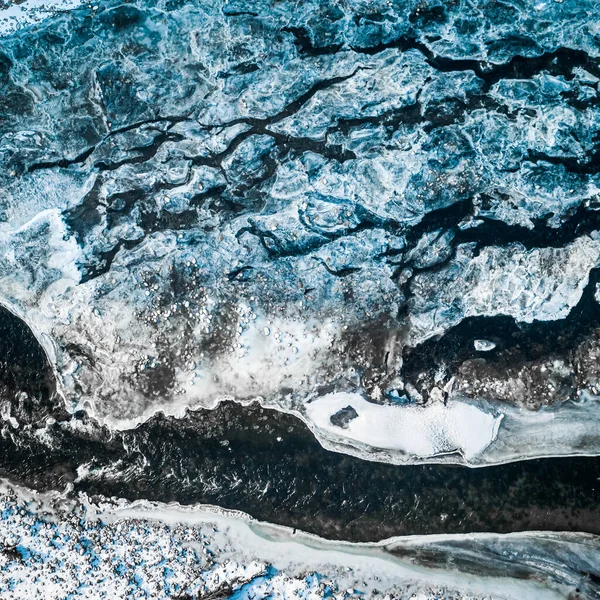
(55, 547)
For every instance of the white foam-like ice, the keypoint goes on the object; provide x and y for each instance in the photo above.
(421, 431)
(16, 16)
(541, 284)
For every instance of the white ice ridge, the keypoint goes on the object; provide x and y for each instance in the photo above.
(421, 431)
(56, 548)
(542, 284)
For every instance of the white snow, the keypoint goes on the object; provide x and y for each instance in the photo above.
(421, 431)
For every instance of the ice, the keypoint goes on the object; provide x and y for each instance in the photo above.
(362, 186)
(420, 431)
(483, 345)
(539, 284)
(13, 16)
(56, 546)
(381, 218)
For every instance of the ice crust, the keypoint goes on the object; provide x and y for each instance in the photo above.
(205, 201)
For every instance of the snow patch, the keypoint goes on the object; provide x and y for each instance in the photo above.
(422, 431)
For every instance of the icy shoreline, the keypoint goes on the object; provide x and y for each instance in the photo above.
(461, 431)
(287, 350)
(167, 550)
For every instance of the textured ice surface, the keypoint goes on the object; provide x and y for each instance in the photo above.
(60, 547)
(380, 217)
(540, 284)
(206, 200)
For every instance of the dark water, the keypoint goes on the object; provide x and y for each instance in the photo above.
(26, 378)
(296, 482)
(231, 456)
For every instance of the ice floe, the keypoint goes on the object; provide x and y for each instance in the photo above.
(420, 431)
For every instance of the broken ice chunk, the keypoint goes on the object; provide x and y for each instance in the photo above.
(483, 345)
